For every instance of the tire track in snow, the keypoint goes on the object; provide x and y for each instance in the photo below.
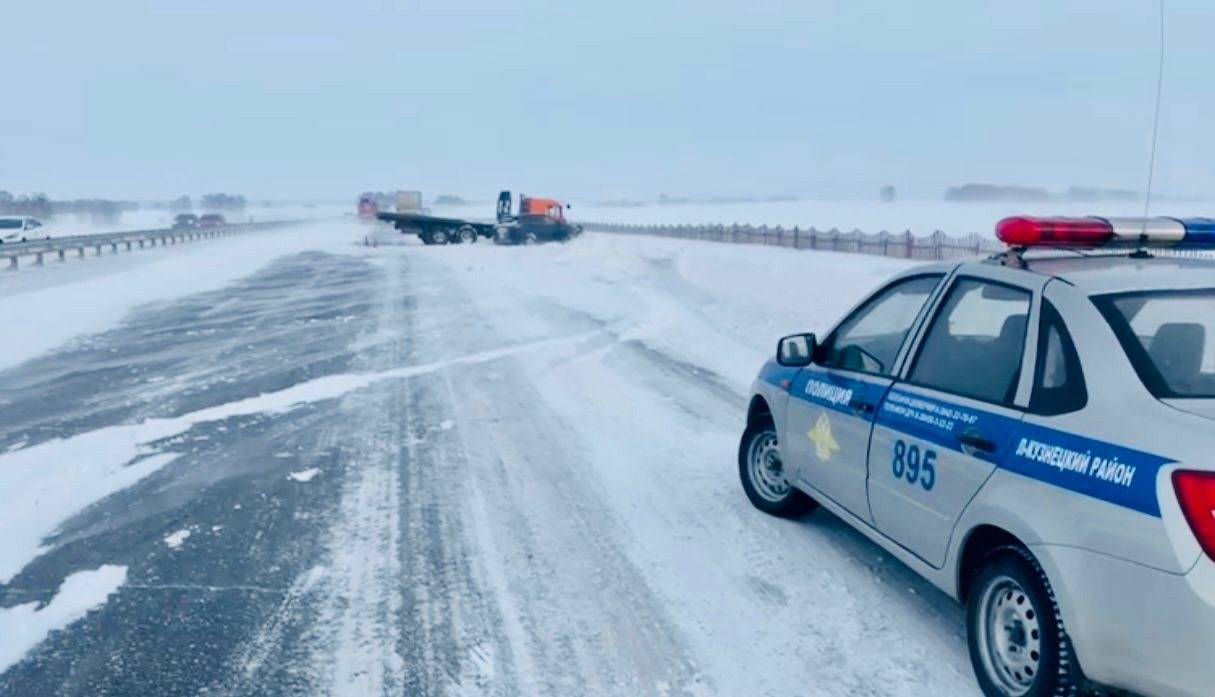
(357, 630)
(574, 615)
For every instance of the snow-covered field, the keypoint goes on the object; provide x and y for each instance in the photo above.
(920, 216)
(466, 470)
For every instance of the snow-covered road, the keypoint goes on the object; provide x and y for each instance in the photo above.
(466, 470)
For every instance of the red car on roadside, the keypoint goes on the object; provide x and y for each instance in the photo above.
(212, 220)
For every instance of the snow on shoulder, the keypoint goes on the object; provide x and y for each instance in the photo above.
(305, 475)
(23, 627)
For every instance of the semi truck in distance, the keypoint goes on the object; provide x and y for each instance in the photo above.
(537, 220)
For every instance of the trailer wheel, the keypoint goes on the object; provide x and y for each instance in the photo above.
(467, 234)
(439, 237)
(530, 238)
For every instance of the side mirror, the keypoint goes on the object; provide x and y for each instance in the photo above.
(796, 351)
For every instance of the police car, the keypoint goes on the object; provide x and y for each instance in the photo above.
(1035, 435)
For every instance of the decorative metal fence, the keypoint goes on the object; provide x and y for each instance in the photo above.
(903, 245)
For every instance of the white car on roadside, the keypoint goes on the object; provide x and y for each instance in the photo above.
(19, 228)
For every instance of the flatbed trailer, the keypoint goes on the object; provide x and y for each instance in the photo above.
(433, 229)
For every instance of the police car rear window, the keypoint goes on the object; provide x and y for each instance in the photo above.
(1169, 337)
(10, 224)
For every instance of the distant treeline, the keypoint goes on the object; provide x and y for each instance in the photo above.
(207, 202)
(1027, 194)
(222, 202)
(104, 210)
(41, 206)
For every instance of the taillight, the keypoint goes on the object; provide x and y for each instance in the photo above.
(1196, 494)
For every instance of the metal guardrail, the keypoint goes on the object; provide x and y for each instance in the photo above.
(59, 248)
(898, 245)
(903, 245)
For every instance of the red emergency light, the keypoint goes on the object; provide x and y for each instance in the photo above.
(1024, 231)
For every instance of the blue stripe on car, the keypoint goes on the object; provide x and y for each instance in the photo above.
(1098, 469)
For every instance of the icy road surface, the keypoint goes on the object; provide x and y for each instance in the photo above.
(438, 471)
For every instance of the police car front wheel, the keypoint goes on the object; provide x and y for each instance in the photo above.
(763, 475)
(1018, 645)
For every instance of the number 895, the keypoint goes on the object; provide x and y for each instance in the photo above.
(914, 465)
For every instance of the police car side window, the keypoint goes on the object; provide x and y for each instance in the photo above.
(976, 342)
(870, 339)
(1059, 386)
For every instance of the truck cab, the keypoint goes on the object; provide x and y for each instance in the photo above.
(538, 220)
(546, 207)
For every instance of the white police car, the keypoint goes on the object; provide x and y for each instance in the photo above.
(1035, 435)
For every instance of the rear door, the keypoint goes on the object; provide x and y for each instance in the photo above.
(940, 431)
(830, 413)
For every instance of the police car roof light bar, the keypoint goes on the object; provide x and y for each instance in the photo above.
(1027, 231)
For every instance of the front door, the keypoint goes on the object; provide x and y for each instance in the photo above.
(833, 402)
(939, 435)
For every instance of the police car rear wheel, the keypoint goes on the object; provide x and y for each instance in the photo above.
(1018, 645)
(763, 475)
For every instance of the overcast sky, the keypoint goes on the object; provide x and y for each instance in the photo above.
(301, 99)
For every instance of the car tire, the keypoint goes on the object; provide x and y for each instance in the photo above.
(762, 481)
(1018, 645)
(467, 234)
(530, 238)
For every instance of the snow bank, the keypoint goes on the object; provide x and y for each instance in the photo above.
(24, 626)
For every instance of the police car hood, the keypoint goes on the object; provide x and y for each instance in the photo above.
(1200, 407)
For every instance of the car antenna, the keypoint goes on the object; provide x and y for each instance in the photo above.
(1141, 252)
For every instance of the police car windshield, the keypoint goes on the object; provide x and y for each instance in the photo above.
(1167, 336)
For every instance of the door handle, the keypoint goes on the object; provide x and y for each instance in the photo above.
(976, 441)
(860, 406)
